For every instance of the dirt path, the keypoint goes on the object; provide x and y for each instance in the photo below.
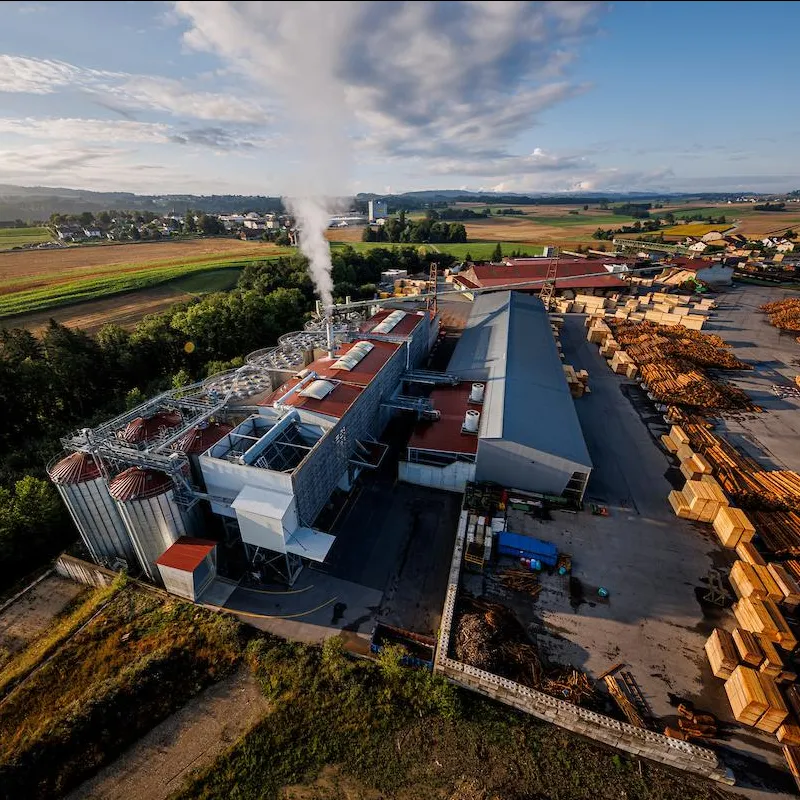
(30, 615)
(190, 739)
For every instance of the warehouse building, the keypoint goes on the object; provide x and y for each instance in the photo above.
(511, 420)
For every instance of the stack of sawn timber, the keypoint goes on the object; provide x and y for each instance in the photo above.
(577, 380)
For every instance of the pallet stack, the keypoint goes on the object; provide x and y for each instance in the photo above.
(577, 380)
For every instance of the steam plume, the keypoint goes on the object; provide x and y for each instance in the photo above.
(313, 217)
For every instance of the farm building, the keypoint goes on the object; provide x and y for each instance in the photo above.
(577, 274)
(511, 420)
(253, 455)
(714, 273)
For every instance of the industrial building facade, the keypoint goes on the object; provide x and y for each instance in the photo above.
(265, 467)
(512, 420)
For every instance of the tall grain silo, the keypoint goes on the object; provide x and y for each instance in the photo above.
(197, 440)
(95, 514)
(146, 502)
(145, 429)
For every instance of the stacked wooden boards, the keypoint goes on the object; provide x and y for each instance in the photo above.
(746, 696)
(732, 526)
(764, 617)
(700, 499)
(722, 653)
(577, 380)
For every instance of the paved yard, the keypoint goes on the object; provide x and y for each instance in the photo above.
(652, 564)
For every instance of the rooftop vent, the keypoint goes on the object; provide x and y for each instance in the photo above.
(471, 421)
(355, 354)
(476, 395)
(389, 323)
(317, 389)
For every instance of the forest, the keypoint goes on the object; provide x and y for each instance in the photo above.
(65, 379)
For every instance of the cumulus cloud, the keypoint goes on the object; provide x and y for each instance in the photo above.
(419, 79)
(92, 130)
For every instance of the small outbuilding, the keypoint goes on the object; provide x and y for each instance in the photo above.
(188, 567)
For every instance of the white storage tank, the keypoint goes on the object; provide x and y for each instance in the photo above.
(95, 514)
(146, 501)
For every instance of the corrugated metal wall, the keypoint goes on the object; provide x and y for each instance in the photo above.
(98, 521)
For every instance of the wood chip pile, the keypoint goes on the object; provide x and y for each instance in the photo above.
(784, 314)
(489, 637)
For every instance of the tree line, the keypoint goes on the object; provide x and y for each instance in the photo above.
(65, 379)
(428, 230)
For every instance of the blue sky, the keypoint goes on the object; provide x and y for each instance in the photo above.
(286, 98)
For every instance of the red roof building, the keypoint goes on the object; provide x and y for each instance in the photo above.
(522, 270)
(445, 435)
(405, 327)
(188, 566)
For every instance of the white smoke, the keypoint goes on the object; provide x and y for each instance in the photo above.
(312, 216)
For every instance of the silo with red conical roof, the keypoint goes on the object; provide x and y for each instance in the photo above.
(83, 489)
(154, 519)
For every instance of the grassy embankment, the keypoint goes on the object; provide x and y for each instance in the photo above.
(117, 662)
(352, 728)
(16, 237)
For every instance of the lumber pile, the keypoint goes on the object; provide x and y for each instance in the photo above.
(779, 531)
(577, 380)
(743, 478)
(733, 527)
(746, 582)
(747, 552)
(622, 701)
(692, 725)
(702, 497)
(772, 665)
(787, 583)
(764, 617)
(747, 647)
(776, 712)
(784, 314)
(694, 466)
(746, 695)
(722, 653)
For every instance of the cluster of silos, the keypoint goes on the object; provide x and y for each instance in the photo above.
(135, 516)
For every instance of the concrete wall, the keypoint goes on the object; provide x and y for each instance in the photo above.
(452, 478)
(600, 728)
(83, 572)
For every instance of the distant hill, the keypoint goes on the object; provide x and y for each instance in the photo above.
(39, 202)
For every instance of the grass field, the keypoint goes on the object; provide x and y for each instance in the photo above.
(694, 229)
(116, 664)
(16, 237)
(42, 280)
(479, 250)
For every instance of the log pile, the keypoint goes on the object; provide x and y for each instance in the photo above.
(779, 530)
(784, 314)
(520, 580)
(692, 725)
(672, 363)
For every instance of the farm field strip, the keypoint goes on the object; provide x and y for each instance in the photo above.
(60, 294)
(16, 237)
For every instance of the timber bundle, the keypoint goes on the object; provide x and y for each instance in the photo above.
(489, 637)
(784, 314)
(742, 478)
(672, 364)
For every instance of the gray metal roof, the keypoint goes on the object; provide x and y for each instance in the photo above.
(509, 345)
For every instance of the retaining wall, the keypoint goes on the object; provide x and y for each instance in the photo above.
(636, 741)
(83, 572)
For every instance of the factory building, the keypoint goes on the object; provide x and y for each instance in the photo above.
(255, 453)
(378, 209)
(510, 419)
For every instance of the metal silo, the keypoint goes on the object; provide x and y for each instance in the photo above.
(95, 514)
(146, 501)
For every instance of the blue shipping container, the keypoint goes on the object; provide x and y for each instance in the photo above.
(514, 544)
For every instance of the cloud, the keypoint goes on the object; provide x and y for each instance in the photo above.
(87, 130)
(124, 92)
(537, 162)
(419, 79)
